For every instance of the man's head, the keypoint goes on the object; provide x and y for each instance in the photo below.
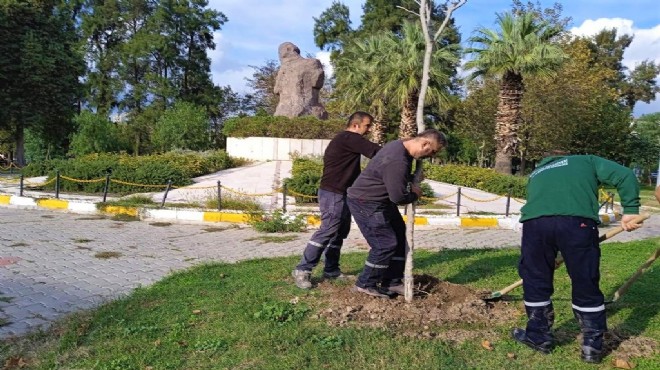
(359, 122)
(426, 144)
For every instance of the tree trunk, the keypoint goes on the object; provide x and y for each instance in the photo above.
(378, 130)
(507, 120)
(408, 127)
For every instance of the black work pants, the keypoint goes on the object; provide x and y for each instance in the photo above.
(577, 240)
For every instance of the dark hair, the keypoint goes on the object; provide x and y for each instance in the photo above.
(433, 134)
(358, 117)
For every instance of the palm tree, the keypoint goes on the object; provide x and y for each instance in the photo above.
(387, 68)
(523, 46)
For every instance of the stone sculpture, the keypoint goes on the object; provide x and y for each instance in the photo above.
(298, 83)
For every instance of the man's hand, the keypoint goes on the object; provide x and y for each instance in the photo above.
(416, 189)
(628, 224)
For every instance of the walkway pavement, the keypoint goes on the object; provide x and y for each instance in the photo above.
(51, 265)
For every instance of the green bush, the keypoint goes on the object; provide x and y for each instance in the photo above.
(485, 179)
(305, 178)
(306, 127)
(152, 170)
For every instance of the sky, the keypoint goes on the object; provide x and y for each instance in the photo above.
(255, 29)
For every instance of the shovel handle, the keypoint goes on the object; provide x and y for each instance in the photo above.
(560, 260)
(642, 269)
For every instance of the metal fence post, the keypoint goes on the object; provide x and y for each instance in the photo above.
(508, 203)
(284, 191)
(458, 203)
(106, 187)
(219, 196)
(167, 190)
(57, 184)
(20, 192)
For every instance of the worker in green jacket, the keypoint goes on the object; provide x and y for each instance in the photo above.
(561, 215)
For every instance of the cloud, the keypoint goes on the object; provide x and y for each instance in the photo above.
(234, 78)
(645, 44)
(324, 57)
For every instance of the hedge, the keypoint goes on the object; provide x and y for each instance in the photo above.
(179, 167)
(306, 127)
(306, 177)
(485, 179)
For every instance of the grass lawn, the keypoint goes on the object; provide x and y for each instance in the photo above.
(239, 316)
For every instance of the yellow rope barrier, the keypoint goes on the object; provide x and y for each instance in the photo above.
(248, 195)
(439, 198)
(521, 201)
(291, 192)
(135, 184)
(81, 181)
(482, 200)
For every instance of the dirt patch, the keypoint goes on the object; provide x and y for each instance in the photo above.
(625, 346)
(436, 303)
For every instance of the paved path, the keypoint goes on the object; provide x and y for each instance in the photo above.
(48, 266)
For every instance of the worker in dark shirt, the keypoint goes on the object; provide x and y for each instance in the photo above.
(373, 199)
(341, 166)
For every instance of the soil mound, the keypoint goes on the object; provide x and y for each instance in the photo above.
(435, 303)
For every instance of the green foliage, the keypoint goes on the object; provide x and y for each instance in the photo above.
(305, 178)
(282, 312)
(485, 179)
(235, 202)
(328, 341)
(95, 134)
(427, 192)
(306, 127)
(183, 126)
(145, 170)
(279, 222)
(40, 70)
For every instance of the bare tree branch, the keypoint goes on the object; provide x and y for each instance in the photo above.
(409, 11)
(450, 9)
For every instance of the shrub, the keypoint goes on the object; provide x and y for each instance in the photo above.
(306, 127)
(151, 170)
(485, 179)
(183, 126)
(305, 178)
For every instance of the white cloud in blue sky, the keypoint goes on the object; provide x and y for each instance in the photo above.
(256, 28)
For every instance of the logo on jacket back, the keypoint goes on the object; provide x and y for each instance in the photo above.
(561, 163)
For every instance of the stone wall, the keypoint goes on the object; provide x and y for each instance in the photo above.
(270, 148)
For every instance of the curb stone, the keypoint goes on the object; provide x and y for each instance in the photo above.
(313, 220)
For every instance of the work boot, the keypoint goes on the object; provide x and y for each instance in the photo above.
(537, 335)
(372, 291)
(335, 275)
(394, 286)
(593, 326)
(302, 278)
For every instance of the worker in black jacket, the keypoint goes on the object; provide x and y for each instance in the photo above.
(341, 166)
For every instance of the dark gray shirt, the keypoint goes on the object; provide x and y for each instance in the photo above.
(387, 177)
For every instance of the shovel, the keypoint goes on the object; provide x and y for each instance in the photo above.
(642, 269)
(496, 296)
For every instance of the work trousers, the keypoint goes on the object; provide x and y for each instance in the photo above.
(382, 226)
(577, 240)
(335, 226)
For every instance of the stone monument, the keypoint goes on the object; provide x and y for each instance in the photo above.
(298, 83)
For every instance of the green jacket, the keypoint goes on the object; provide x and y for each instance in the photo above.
(568, 186)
